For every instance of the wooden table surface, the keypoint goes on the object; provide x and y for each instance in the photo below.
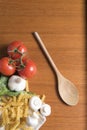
(61, 25)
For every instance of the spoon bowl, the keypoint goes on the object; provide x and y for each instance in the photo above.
(67, 90)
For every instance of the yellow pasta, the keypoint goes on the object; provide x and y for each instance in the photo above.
(4, 99)
(27, 86)
(22, 125)
(14, 98)
(12, 113)
(15, 110)
(26, 101)
(43, 98)
(7, 127)
(26, 111)
(2, 104)
(20, 97)
(18, 114)
(6, 116)
(28, 128)
(15, 125)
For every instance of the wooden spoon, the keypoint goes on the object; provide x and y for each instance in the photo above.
(67, 90)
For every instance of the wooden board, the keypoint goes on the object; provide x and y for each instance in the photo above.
(61, 25)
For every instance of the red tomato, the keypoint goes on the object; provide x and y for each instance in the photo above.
(16, 49)
(28, 69)
(6, 67)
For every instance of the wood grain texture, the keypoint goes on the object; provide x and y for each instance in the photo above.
(61, 25)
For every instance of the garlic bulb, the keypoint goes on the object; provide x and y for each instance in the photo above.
(16, 83)
(35, 103)
(45, 110)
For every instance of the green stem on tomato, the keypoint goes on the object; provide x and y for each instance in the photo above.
(21, 60)
(16, 50)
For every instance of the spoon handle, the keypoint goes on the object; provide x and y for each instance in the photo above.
(46, 53)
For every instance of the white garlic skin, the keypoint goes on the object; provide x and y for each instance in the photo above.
(2, 128)
(16, 83)
(32, 120)
(45, 110)
(35, 103)
(35, 120)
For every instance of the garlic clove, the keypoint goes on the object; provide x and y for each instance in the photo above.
(35, 121)
(41, 121)
(35, 103)
(32, 120)
(45, 110)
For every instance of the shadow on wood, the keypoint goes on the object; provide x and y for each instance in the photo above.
(3, 50)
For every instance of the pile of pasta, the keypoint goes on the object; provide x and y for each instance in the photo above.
(14, 111)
